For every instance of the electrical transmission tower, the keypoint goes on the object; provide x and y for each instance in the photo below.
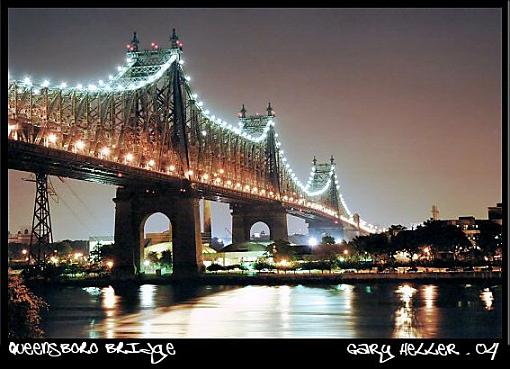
(41, 236)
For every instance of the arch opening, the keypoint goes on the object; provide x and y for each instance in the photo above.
(156, 244)
(260, 231)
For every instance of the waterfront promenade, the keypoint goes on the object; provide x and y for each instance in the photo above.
(289, 278)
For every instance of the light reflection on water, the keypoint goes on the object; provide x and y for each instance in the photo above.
(405, 324)
(487, 298)
(336, 311)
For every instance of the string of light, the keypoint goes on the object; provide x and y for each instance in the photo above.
(115, 83)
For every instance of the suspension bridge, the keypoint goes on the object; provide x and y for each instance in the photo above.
(145, 130)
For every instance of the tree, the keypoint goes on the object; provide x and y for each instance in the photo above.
(281, 250)
(263, 264)
(63, 248)
(394, 230)
(166, 259)
(215, 268)
(102, 252)
(153, 258)
(328, 240)
(23, 310)
(406, 241)
(377, 245)
(443, 237)
(327, 252)
(490, 239)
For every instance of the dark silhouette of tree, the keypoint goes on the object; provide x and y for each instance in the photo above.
(406, 241)
(215, 267)
(23, 310)
(490, 238)
(394, 230)
(263, 264)
(166, 259)
(328, 240)
(102, 252)
(153, 258)
(442, 236)
(327, 253)
(63, 248)
(377, 245)
(280, 250)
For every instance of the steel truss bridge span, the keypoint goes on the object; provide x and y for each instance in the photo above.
(145, 126)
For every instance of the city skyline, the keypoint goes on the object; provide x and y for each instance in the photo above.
(407, 150)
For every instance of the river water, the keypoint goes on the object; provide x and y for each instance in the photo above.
(361, 310)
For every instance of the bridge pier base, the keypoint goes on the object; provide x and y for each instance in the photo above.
(133, 207)
(351, 232)
(319, 228)
(245, 216)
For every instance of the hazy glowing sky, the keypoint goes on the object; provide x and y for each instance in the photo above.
(408, 101)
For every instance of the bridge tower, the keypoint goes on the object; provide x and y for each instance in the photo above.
(273, 215)
(324, 180)
(135, 203)
(254, 125)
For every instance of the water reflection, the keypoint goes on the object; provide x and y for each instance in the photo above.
(428, 317)
(109, 303)
(109, 300)
(487, 298)
(405, 326)
(284, 306)
(92, 291)
(147, 293)
(429, 296)
(341, 311)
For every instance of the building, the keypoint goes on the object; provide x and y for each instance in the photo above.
(160, 237)
(20, 237)
(249, 252)
(495, 213)
(244, 252)
(166, 236)
(260, 236)
(469, 225)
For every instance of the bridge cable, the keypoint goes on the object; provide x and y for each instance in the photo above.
(82, 223)
(80, 200)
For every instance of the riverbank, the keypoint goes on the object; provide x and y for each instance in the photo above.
(288, 279)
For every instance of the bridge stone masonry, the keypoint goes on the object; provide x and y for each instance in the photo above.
(146, 131)
(245, 216)
(134, 206)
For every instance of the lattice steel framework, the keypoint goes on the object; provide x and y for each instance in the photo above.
(148, 116)
(41, 237)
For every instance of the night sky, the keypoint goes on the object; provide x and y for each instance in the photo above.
(408, 101)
